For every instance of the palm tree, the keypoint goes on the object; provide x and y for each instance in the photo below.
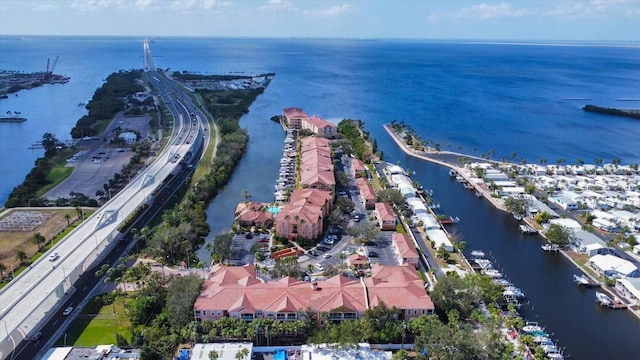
(80, 212)
(67, 217)
(3, 268)
(246, 195)
(21, 256)
(38, 239)
(244, 353)
(213, 355)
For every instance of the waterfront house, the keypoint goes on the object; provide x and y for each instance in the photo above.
(613, 266)
(629, 288)
(236, 292)
(296, 118)
(564, 202)
(405, 250)
(588, 243)
(385, 215)
(367, 193)
(319, 126)
(293, 117)
(254, 214)
(440, 238)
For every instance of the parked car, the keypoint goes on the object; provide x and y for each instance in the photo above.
(54, 257)
(326, 256)
(373, 254)
(36, 336)
(67, 311)
(319, 267)
(312, 253)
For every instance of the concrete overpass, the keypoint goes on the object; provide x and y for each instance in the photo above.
(37, 293)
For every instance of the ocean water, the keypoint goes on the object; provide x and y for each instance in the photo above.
(465, 96)
(470, 97)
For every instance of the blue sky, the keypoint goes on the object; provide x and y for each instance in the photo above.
(615, 20)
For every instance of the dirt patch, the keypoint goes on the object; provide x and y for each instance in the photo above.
(48, 222)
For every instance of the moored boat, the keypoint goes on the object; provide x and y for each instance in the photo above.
(477, 253)
(585, 281)
(603, 299)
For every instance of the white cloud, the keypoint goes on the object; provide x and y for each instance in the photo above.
(488, 11)
(45, 7)
(278, 6)
(95, 5)
(595, 9)
(335, 10)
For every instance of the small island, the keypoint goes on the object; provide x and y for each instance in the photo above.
(14, 81)
(630, 113)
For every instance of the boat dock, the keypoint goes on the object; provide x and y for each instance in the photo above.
(586, 281)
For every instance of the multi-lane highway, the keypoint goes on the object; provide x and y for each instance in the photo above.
(38, 296)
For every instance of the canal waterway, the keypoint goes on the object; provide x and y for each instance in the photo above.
(570, 313)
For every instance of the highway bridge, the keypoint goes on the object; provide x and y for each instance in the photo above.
(38, 294)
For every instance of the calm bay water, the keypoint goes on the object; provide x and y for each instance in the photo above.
(475, 97)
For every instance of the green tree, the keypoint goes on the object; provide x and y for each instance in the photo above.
(213, 355)
(21, 256)
(68, 218)
(363, 232)
(516, 205)
(181, 296)
(38, 239)
(393, 196)
(221, 250)
(3, 268)
(559, 235)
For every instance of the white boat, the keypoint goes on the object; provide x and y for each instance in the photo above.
(492, 273)
(484, 263)
(550, 247)
(503, 282)
(603, 299)
(517, 217)
(555, 356)
(542, 340)
(584, 280)
(526, 229)
(512, 291)
(532, 328)
(550, 349)
(477, 253)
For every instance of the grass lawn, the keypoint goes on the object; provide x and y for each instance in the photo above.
(90, 329)
(57, 174)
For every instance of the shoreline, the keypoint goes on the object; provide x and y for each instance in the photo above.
(498, 203)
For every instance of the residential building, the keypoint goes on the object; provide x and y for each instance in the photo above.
(357, 168)
(405, 249)
(385, 215)
(234, 291)
(613, 266)
(316, 165)
(296, 118)
(367, 193)
(254, 214)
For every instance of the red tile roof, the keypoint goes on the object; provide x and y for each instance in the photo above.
(397, 286)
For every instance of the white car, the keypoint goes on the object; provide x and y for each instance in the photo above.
(319, 267)
(54, 257)
(326, 256)
(67, 311)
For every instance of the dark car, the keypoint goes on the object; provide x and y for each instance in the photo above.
(322, 248)
(312, 253)
(373, 254)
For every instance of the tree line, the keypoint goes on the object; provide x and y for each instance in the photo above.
(107, 101)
